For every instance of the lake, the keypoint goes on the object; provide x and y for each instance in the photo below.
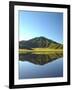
(40, 65)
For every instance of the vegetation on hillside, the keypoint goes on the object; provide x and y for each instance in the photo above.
(39, 42)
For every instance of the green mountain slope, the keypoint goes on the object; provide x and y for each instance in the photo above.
(39, 42)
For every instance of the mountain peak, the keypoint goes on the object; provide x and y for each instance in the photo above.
(42, 37)
(39, 38)
(39, 42)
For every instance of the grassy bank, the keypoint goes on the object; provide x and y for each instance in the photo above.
(40, 51)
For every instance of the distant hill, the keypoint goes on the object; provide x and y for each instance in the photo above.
(39, 42)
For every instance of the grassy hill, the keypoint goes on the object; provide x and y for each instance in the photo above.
(39, 43)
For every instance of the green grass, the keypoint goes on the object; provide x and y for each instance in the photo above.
(40, 51)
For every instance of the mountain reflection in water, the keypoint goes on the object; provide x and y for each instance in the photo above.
(40, 59)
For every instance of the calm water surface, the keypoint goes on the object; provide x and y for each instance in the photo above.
(40, 66)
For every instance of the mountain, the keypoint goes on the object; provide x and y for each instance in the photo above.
(39, 42)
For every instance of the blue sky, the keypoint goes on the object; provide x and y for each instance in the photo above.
(35, 24)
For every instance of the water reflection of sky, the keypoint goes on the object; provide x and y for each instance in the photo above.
(30, 70)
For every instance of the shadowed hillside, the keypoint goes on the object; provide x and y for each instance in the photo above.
(39, 42)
